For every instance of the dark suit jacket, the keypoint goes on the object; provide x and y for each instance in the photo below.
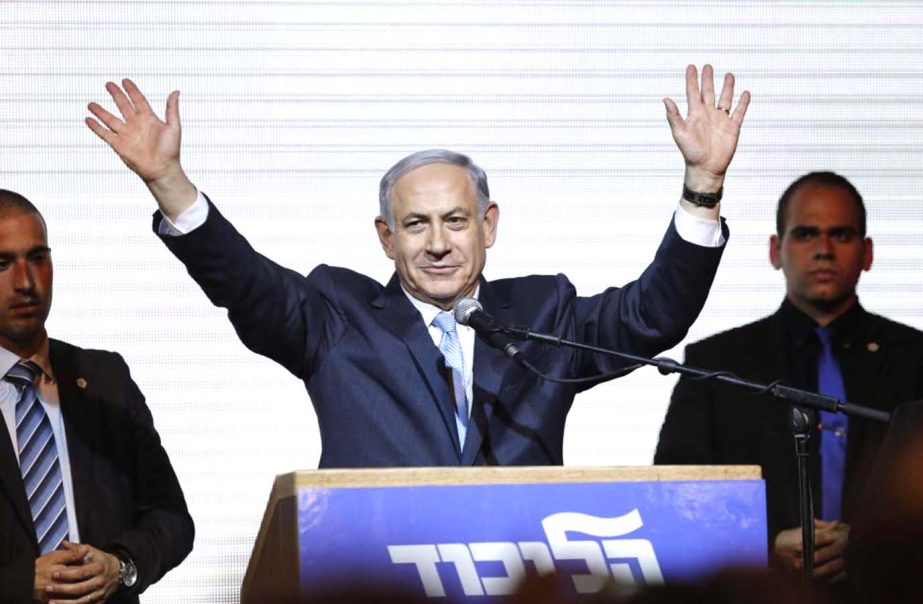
(125, 491)
(378, 383)
(713, 423)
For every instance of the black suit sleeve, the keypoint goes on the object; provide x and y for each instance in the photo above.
(16, 580)
(127, 495)
(162, 532)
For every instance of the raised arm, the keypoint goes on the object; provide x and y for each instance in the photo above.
(147, 145)
(708, 136)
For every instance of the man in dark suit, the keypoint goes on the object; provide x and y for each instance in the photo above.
(90, 507)
(821, 246)
(393, 380)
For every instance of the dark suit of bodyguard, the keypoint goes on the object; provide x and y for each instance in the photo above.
(383, 392)
(85, 446)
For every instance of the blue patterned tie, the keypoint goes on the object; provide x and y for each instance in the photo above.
(834, 430)
(38, 460)
(450, 348)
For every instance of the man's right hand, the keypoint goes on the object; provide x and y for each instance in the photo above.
(147, 145)
(830, 540)
(50, 563)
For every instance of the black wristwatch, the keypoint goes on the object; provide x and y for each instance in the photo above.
(128, 572)
(702, 200)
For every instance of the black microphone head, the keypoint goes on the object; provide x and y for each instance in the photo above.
(464, 308)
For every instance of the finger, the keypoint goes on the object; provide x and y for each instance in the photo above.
(121, 101)
(708, 85)
(65, 556)
(136, 96)
(172, 113)
(825, 554)
(78, 589)
(738, 115)
(112, 122)
(832, 567)
(824, 538)
(727, 93)
(103, 133)
(693, 96)
(673, 116)
(76, 574)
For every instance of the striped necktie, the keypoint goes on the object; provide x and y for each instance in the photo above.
(450, 348)
(38, 460)
(834, 428)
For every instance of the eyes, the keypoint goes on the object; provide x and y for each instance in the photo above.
(38, 258)
(836, 234)
(455, 222)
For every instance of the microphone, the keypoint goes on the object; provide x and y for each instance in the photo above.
(469, 311)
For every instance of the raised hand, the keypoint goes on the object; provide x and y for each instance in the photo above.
(707, 137)
(147, 145)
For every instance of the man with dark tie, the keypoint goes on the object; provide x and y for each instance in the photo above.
(90, 508)
(393, 379)
(822, 340)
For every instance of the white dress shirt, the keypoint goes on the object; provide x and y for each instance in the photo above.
(47, 391)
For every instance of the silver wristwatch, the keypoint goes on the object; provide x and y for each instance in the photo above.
(128, 572)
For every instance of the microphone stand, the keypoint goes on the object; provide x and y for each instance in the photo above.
(801, 424)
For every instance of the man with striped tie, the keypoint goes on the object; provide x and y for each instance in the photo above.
(90, 507)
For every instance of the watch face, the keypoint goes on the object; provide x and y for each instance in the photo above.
(128, 573)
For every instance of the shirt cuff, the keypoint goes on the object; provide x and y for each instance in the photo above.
(700, 231)
(192, 218)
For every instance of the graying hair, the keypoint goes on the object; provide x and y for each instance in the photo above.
(423, 158)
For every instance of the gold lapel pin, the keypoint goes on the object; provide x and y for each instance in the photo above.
(81, 383)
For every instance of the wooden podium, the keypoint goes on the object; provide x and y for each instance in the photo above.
(472, 534)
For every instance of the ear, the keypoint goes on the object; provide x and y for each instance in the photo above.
(775, 252)
(867, 254)
(384, 236)
(491, 219)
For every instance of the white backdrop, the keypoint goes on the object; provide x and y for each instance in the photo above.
(293, 110)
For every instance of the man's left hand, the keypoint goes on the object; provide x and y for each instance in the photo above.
(94, 580)
(708, 136)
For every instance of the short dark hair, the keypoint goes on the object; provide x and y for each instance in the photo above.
(823, 179)
(13, 201)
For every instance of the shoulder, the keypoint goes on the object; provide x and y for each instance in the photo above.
(892, 331)
(86, 359)
(736, 337)
(530, 286)
(344, 279)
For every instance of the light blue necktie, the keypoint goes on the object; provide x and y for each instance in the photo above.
(450, 348)
(38, 461)
(833, 433)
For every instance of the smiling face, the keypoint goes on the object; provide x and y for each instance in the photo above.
(439, 242)
(25, 281)
(821, 251)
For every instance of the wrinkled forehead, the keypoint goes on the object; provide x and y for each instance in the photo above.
(434, 184)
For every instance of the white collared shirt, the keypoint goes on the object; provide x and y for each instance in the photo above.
(465, 339)
(47, 391)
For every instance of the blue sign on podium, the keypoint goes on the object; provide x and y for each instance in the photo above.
(480, 532)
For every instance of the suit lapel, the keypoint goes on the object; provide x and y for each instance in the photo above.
(862, 375)
(11, 484)
(490, 366)
(66, 367)
(398, 316)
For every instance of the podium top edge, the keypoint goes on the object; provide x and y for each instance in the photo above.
(372, 477)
